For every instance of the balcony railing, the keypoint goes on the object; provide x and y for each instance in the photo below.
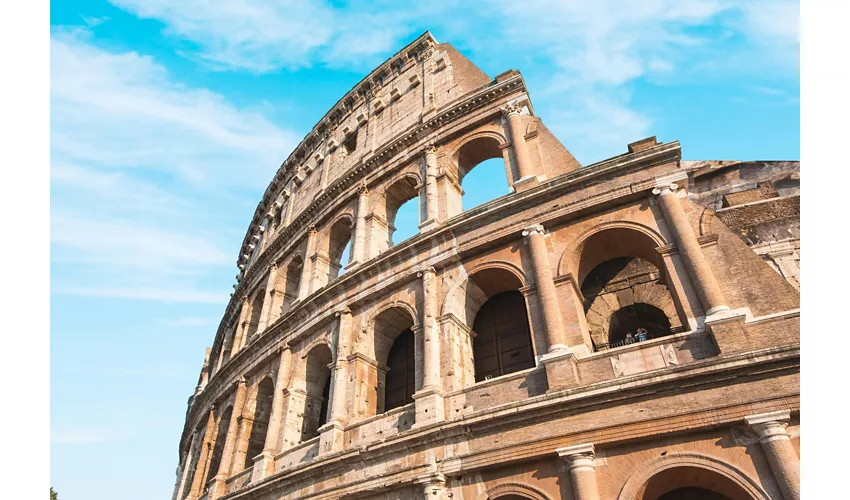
(637, 340)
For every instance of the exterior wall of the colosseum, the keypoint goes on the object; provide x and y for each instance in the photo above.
(589, 420)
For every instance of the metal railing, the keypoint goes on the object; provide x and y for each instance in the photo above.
(636, 340)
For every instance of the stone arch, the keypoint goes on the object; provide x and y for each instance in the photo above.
(396, 192)
(473, 150)
(260, 415)
(511, 490)
(393, 323)
(255, 313)
(289, 283)
(220, 438)
(309, 390)
(648, 240)
(465, 298)
(336, 239)
(735, 484)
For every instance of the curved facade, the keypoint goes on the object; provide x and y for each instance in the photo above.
(628, 329)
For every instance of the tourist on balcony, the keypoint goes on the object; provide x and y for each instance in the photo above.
(641, 334)
(629, 338)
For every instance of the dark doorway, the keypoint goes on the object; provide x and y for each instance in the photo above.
(692, 494)
(502, 342)
(323, 409)
(401, 376)
(628, 319)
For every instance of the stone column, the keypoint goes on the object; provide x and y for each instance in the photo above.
(307, 269)
(581, 461)
(511, 112)
(773, 435)
(332, 433)
(432, 209)
(429, 400)
(187, 466)
(546, 293)
(359, 251)
(268, 299)
(433, 486)
(203, 460)
(265, 467)
(240, 327)
(244, 421)
(287, 215)
(700, 272)
(224, 467)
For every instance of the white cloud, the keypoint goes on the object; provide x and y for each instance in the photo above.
(143, 175)
(263, 35)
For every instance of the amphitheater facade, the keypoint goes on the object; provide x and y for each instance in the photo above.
(622, 330)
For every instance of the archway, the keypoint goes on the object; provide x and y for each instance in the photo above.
(338, 247)
(260, 425)
(395, 348)
(482, 165)
(220, 438)
(317, 390)
(692, 483)
(256, 312)
(502, 342)
(402, 210)
(292, 282)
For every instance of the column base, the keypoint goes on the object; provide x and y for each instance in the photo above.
(218, 486)
(332, 437)
(263, 466)
(527, 182)
(430, 407)
(561, 370)
(428, 225)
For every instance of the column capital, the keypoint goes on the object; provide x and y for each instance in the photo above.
(511, 109)
(362, 189)
(423, 270)
(577, 456)
(342, 312)
(312, 229)
(240, 381)
(533, 229)
(665, 189)
(433, 479)
(429, 148)
(770, 426)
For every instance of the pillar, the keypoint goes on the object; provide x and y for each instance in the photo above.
(700, 272)
(203, 460)
(511, 112)
(771, 429)
(429, 400)
(307, 269)
(265, 465)
(287, 217)
(432, 209)
(433, 486)
(268, 299)
(332, 433)
(359, 251)
(240, 327)
(224, 467)
(581, 462)
(546, 292)
(187, 466)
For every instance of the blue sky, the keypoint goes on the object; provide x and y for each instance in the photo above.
(169, 117)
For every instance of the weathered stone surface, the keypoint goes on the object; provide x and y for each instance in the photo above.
(301, 368)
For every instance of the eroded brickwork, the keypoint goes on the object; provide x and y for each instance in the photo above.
(659, 300)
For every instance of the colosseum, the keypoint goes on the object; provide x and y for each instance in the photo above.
(626, 330)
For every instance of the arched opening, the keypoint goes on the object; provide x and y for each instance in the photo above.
(502, 343)
(220, 438)
(692, 483)
(625, 290)
(395, 347)
(338, 247)
(317, 388)
(489, 179)
(260, 425)
(401, 372)
(256, 311)
(402, 210)
(787, 186)
(292, 283)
